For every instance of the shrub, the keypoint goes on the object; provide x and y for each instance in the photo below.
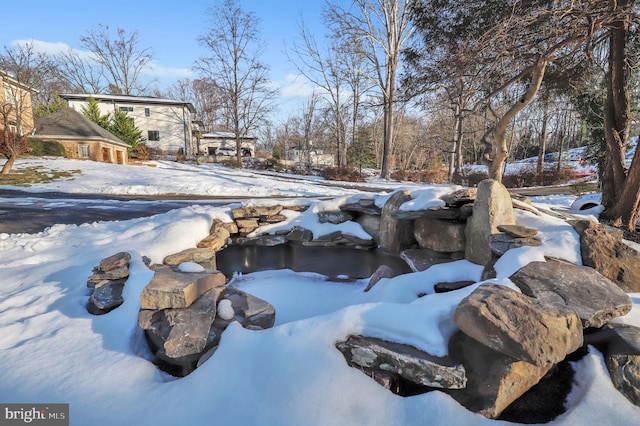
(39, 147)
(423, 176)
(142, 152)
(345, 174)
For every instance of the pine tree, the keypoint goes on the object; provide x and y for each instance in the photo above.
(92, 112)
(361, 154)
(124, 128)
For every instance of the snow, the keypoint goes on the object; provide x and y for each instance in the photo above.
(52, 350)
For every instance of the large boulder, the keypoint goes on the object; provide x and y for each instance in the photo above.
(395, 234)
(170, 289)
(182, 332)
(594, 298)
(406, 361)
(519, 326)
(440, 235)
(494, 380)
(620, 346)
(492, 208)
(608, 255)
(371, 225)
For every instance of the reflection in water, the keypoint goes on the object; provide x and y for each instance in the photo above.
(331, 261)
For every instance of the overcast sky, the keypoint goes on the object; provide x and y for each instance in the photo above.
(169, 28)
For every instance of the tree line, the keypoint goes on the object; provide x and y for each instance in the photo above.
(400, 84)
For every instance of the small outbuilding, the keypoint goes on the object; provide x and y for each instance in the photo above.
(82, 138)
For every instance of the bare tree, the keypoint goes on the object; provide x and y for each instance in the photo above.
(339, 72)
(122, 60)
(234, 48)
(383, 27)
(23, 70)
(80, 72)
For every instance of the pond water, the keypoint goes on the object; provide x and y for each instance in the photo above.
(334, 262)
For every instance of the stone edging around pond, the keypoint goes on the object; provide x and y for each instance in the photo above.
(183, 336)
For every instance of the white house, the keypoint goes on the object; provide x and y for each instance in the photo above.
(165, 124)
(224, 143)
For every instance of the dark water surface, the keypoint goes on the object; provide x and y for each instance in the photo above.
(335, 262)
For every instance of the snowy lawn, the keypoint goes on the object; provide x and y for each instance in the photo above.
(52, 350)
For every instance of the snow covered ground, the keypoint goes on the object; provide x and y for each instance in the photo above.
(53, 351)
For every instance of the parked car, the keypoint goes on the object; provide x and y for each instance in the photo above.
(586, 202)
(226, 151)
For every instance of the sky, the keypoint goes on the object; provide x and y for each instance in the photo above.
(53, 351)
(169, 28)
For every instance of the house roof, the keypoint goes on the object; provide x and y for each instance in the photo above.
(5, 76)
(128, 99)
(70, 124)
(224, 135)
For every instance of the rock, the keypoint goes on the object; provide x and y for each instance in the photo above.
(371, 225)
(232, 227)
(383, 271)
(115, 261)
(525, 206)
(460, 197)
(422, 259)
(492, 207)
(217, 240)
(247, 226)
(518, 231)
(255, 211)
(336, 217)
(274, 218)
(439, 235)
(395, 235)
(263, 240)
(494, 380)
(519, 326)
(195, 255)
(437, 213)
(545, 401)
(365, 206)
(608, 255)
(169, 289)
(112, 274)
(182, 332)
(594, 298)
(620, 346)
(501, 243)
(106, 297)
(451, 286)
(404, 360)
(298, 234)
(250, 311)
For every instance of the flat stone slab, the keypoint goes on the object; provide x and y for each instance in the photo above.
(117, 260)
(404, 360)
(170, 289)
(196, 255)
(595, 298)
(518, 231)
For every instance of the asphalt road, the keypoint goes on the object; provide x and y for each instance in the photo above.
(30, 212)
(26, 212)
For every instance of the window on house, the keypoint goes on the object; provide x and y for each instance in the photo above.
(153, 135)
(83, 151)
(9, 95)
(147, 112)
(126, 109)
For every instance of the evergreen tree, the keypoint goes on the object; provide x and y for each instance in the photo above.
(56, 105)
(124, 128)
(361, 153)
(92, 112)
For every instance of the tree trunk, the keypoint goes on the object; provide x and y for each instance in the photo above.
(543, 137)
(620, 191)
(6, 168)
(498, 144)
